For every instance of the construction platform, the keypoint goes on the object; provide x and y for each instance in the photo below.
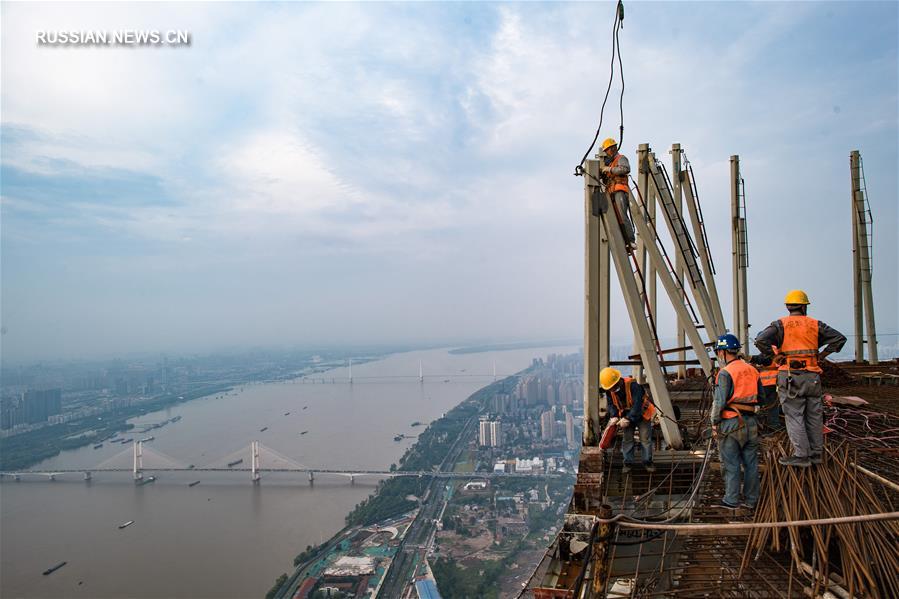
(688, 547)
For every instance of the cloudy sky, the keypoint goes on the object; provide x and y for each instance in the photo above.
(367, 173)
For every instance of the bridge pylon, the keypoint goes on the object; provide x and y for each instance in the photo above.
(255, 476)
(137, 469)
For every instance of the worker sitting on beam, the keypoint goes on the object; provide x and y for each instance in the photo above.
(615, 169)
(631, 406)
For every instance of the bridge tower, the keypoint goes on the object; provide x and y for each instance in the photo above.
(254, 462)
(351, 371)
(421, 372)
(138, 467)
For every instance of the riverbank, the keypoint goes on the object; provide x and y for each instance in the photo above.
(391, 499)
(24, 450)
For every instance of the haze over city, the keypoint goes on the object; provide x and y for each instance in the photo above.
(402, 173)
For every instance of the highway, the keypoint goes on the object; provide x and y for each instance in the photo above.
(415, 545)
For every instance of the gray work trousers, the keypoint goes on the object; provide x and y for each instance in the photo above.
(622, 200)
(801, 398)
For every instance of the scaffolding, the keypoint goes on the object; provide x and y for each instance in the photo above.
(662, 533)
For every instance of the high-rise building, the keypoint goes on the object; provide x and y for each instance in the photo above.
(570, 432)
(484, 436)
(40, 405)
(547, 425)
(490, 433)
(496, 433)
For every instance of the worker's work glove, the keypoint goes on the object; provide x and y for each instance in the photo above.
(604, 169)
(624, 423)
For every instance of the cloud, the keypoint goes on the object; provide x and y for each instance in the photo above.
(376, 159)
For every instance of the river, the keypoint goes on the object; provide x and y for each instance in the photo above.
(227, 537)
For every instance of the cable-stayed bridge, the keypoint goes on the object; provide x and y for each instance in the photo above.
(254, 459)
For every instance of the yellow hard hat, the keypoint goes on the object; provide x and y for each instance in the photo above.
(797, 296)
(608, 143)
(608, 378)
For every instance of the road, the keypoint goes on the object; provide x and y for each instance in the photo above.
(415, 545)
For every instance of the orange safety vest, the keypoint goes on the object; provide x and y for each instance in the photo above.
(768, 375)
(617, 182)
(800, 343)
(745, 396)
(648, 409)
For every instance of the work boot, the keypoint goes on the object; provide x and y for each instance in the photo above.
(814, 460)
(625, 468)
(727, 506)
(649, 466)
(795, 461)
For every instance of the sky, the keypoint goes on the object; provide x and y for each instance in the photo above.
(353, 173)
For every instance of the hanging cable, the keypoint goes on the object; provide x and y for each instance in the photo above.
(616, 51)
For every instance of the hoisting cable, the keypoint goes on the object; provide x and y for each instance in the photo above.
(616, 50)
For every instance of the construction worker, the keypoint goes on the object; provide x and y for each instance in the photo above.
(798, 339)
(734, 425)
(768, 399)
(631, 406)
(615, 168)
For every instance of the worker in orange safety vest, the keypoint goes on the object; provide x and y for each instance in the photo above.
(615, 169)
(630, 404)
(798, 339)
(768, 399)
(734, 424)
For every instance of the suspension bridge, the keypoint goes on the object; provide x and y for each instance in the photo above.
(254, 459)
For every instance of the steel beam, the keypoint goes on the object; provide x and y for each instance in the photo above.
(704, 251)
(641, 329)
(675, 290)
(682, 240)
(642, 261)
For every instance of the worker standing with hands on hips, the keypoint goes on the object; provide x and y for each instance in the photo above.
(737, 388)
(798, 338)
(630, 404)
(615, 169)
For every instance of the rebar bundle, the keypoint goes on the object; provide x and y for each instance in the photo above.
(847, 560)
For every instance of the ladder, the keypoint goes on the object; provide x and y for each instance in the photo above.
(865, 225)
(743, 246)
(683, 244)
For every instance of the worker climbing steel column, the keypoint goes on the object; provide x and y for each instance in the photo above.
(632, 408)
(615, 170)
(734, 424)
(798, 338)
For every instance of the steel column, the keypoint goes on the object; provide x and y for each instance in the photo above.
(739, 253)
(592, 301)
(679, 260)
(862, 262)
